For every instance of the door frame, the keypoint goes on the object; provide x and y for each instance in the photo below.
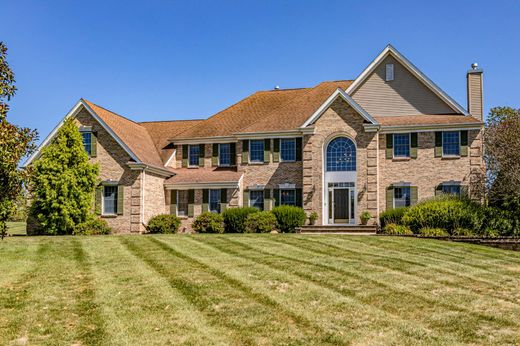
(351, 197)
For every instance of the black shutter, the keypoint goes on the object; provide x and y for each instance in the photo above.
(389, 146)
(233, 153)
(298, 149)
(276, 197)
(202, 154)
(438, 144)
(184, 155)
(464, 143)
(299, 197)
(214, 155)
(245, 151)
(413, 145)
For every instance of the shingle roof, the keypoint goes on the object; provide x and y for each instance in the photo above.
(436, 119)
(204, 175)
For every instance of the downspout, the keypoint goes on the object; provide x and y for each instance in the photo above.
(143, 180)
(377, 177)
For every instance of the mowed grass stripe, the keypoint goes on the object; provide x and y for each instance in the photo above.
(426, 302)
(141, 306)
(248, 317)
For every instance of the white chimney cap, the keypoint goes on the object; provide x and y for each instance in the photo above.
(277, 87)
(474, 66)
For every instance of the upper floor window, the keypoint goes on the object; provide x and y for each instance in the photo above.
(288, 149)
(288, 197)
(451, 143)
(214, 201)
(256, 199)
(256, 150)
(224, 154)
(341, 155)
(401, 145)
(87, 142)
(110, 200)
(402, 196)
(193, 155)
(451, 189)
(389, 72)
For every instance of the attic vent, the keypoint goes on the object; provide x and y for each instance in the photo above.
(389, 72)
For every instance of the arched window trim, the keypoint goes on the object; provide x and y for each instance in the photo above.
(341, 155)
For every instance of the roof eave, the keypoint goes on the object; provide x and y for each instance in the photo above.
(424, 128)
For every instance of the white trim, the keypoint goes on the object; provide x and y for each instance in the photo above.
(423, 128)
(401, 185)
(189, 154)
(276, 134)
(287, 186)
(390, 50)
(111, 184)
(72, 113)
(255, 187)
(409, 145)
(338, 93)
(249, 151)
(377, 179)
(280, 149)
(152, 169)
(143, 182)
(203, 185)
(218, 156)
(203, 140)
(450, 156)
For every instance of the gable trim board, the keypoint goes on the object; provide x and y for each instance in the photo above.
(390, 50)
(421, 128)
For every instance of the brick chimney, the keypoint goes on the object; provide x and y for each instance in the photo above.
(475, 92)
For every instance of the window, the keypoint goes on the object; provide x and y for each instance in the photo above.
(87, 142)
(288, 149)
(451, 143)
(256, 199)
(451, 189)
(182, 203)
(193, 159)
(389, 72)
(288, 197)
(341, 155)
(256, 151)
(402, 145)
(401, 196)
(224, 154)
(214, 201)
(110, 200)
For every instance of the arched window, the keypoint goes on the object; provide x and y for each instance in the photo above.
(341, 155)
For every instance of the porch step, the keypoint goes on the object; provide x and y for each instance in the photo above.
(354, 229)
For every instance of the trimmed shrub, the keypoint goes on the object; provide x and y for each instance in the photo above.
(208, 222)
(394, 229)
(164, 223)
(92, 227)
(446, 212)
(463, 232)
(392, 216)
(235, 218)
(313, 217)
(433, 232)
(261, 222)
(289, 218)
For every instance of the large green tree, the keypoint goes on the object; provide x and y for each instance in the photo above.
(63, 183)
(15, 143)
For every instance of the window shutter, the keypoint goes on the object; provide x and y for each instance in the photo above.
(245, 197)
(389, 146)
(120, 199)
(299, 197)
(390, 198)
(464, 143)
(464, 191)
(93, 144)
(191, 201)
(413, 145)
(438, 144)
(184, 155)
(438, 190)
(414, 196)
(173, 202)
(202, 148)
(276, 150)
(267, 150)
(223, 200)
(233, 153)
(298, 149)
(99, 194)
(245, 151)
(276, 193)
(268, 202)
(205, 200)
(214, 155)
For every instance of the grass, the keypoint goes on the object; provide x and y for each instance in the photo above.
(16, 228)
(256, 289)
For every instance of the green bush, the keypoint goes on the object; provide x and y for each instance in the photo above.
(289, 218)
(92, 227)
(463, 232)
(498, 222)
(446, 212)
(164, 223)
(235, 218)
(392, 216)
(208, 222)
(313, 217)
(261, 222)
(394, 229)
(433, 232)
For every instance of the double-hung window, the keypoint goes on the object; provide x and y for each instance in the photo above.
(401, 145)
(110, 200)
(288, 197)
(451, 189)
(193, 155)
(224, 154)
(182, 202)
(256, 199)
(402, 196)
(288, 149)
(451, 143)
(214, 201)
(256, 150)
(87, 142)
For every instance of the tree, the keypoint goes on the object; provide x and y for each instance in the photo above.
(63, 183)
(15, 143)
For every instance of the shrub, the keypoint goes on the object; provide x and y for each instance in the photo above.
(446, 212)
(365, 216)
(394, 229)
(92, 227)
(261, 222)
(235, 218)
(497, 222)
(164, 223)
(463, 232)
(433, 232)
(289, 218)
(392, 216)
(313, 217)
(208, 222)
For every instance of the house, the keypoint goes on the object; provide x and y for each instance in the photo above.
(387, 139)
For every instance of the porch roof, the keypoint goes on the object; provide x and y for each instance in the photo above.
(207, 176)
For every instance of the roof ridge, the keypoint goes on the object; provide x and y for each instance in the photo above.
(168, 121)
(108, 110)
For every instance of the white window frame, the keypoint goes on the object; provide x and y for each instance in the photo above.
(287, 189)
(218, 192)
(389, 72)
(189, 156)
(263, 145)
(409, 146)
(103, 200)
(219, 163)
(442, 145)
(280, 149)
(410, 196)
(178, 199)
(89, 152)
(263, 199)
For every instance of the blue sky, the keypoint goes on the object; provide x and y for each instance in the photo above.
(156, 60)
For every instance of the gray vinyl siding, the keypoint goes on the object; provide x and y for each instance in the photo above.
(405, 95)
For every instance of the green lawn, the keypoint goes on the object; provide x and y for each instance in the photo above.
(256, 289)
(16, 228)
